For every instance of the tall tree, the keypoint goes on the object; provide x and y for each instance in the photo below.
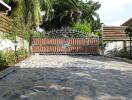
(65, 12)
(29, 10)
(89, 13)
(68, 12)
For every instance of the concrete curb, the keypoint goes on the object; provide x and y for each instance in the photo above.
(121, 59)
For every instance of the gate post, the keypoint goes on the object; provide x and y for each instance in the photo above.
(125, 45)
(101, 40)
(30, 44)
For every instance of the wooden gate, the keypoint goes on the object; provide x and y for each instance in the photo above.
(65, 46)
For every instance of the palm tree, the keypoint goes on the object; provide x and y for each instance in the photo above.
(89, 13)
(68, 12)
(65, 8)
(89, 10)
(29, 10)
(65, 13)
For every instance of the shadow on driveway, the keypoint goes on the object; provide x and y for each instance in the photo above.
(70, 82)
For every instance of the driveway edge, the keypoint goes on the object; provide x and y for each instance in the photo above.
(119, 58)
(8, 71)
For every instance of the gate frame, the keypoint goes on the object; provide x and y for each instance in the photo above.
(65, 52)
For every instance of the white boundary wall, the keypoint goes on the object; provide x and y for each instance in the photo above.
(114, 45)
(6, 44)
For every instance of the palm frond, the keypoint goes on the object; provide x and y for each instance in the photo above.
(18, 9)
(36, 18)
(46, 5)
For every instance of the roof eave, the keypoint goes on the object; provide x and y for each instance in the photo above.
(4, 4)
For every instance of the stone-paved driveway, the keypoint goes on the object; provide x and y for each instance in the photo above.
(61, 77)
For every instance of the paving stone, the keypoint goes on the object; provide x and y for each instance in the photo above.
(62, 77)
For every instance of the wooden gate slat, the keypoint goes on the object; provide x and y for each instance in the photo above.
(76, 45)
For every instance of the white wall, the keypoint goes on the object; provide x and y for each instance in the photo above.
(111, 46)
(6, 44)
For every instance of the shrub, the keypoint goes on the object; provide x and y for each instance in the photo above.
(38, 34)
(22, 53)
(98, 33)
(9, 58)
(121, 53)
(83, 27)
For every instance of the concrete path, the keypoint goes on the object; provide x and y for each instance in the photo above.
(61, 77)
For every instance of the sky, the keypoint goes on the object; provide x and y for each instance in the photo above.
(115, 12)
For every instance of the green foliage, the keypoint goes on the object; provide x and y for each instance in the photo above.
(7, 36)
(22, 53)
(128, 30)
(18, 28)
(65, 13)
(98, 33)
(83, 27)
(68, 12)
(89, 13)
(121, 53)
(38, 34)
(8, 58)
(89, 9)
(29, 10)
(102, 43)
(21, 30)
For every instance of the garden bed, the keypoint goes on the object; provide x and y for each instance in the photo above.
(9, 58)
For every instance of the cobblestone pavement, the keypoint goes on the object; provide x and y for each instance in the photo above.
(62, 77)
